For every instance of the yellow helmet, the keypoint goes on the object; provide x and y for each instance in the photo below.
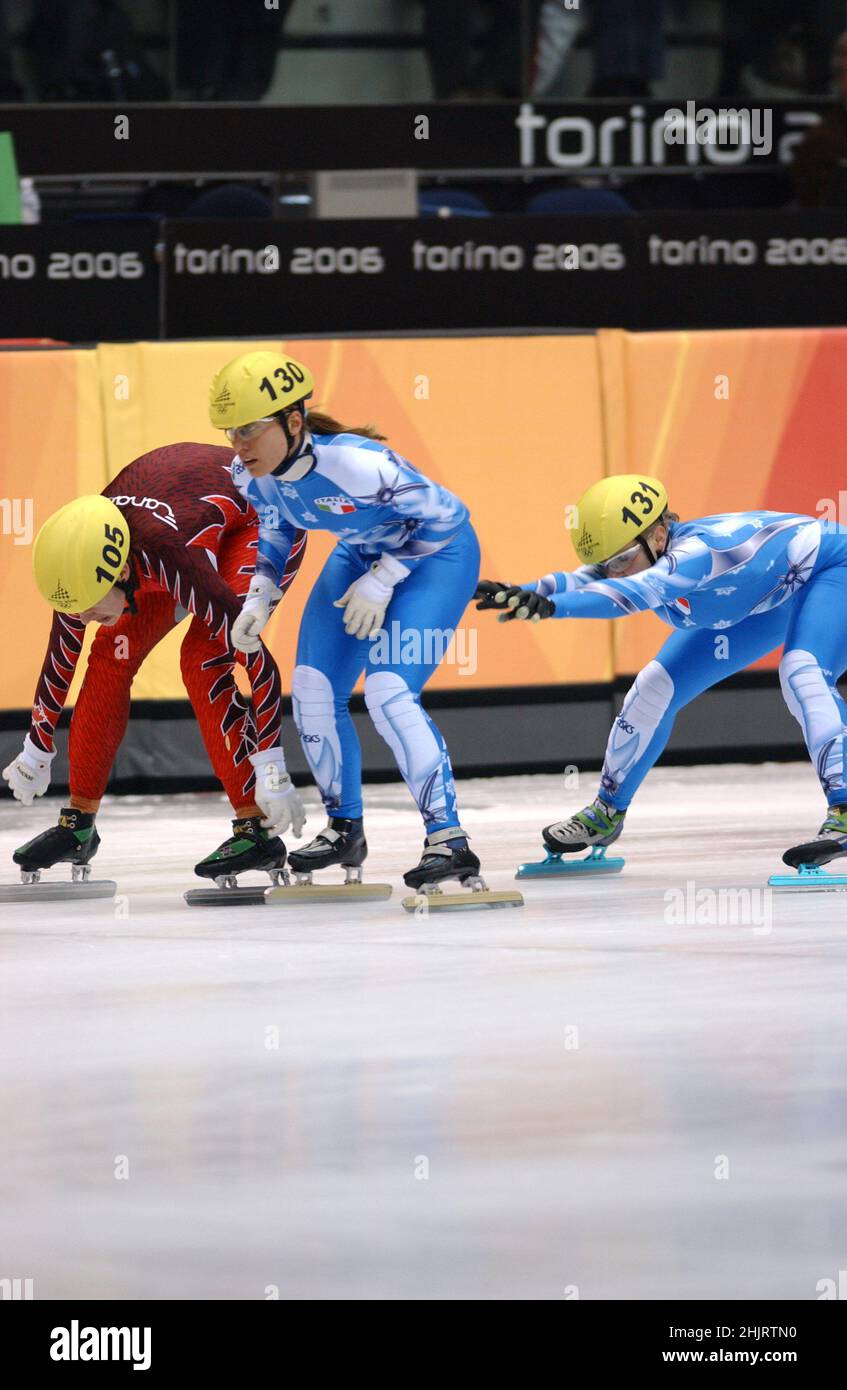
(79, 553)
(255, 385)
(615, 511)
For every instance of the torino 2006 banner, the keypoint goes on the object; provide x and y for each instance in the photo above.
(518, 427)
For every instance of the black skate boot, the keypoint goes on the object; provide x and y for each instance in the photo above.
(73, 841)
(445, 855)
(342, 842)
(249, 847)
(829, 843)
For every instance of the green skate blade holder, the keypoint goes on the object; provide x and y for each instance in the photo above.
(596, 861)
(10, 195)
(809, 878)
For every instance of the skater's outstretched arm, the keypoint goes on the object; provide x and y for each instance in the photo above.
(495, 593)
(673, 575)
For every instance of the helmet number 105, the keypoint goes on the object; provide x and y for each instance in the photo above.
(110, 554)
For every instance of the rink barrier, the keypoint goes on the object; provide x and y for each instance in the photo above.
(730, 421)
(558, 730)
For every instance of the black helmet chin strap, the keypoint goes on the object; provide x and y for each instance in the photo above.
(129, 586)
(645, 546)
(282, 416)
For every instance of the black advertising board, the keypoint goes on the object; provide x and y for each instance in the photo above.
(86, 282)
(96, 282)
(640, 271)
(570, 137)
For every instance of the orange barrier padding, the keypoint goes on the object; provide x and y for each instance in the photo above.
(51, 450)
(518, 427)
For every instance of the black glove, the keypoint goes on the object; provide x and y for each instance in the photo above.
(526, 603)
(492, 593)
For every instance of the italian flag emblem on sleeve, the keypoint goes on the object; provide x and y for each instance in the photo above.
(339, 506)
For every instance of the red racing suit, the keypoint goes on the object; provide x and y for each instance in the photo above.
(193, 542)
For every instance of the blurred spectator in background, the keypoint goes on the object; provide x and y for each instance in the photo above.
(226, 49)
(88, 50)
(819, 177)
(777, 48)
(9, 89)
(825, 20)
(466, 63)
(629, 46)
(558, 29)
(230, 200)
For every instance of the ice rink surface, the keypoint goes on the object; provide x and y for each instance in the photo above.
(630, 1088)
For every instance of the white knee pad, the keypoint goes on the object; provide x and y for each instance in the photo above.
(809, 696)
(648, 698)
(647, 702)
(398, 717)
(312, 697)
(313, 706)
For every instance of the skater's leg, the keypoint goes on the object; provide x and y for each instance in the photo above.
(815, 656)
(689, 663)
(224, 715)
(420, 624)
(329, 662)
(98, 724)
(100, 717)
(227, 719)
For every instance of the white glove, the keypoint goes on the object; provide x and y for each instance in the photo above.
(255, 612)
(368, 597)
(29, 774)
(276, 794)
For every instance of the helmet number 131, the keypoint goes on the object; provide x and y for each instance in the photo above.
(640, 498)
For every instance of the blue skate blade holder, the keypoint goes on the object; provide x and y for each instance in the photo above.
(807, 878)
(557, 866)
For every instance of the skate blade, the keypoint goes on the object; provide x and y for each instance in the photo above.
(57, 892)
(226, 897)
(557, 866)
(809, 878)
(328, 893)
(462, 901)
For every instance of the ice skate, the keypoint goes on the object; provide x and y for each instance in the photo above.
(808, 859)
(250, 847)
(446, 855)
(73, 841)
(342, 842)
(594, 829)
